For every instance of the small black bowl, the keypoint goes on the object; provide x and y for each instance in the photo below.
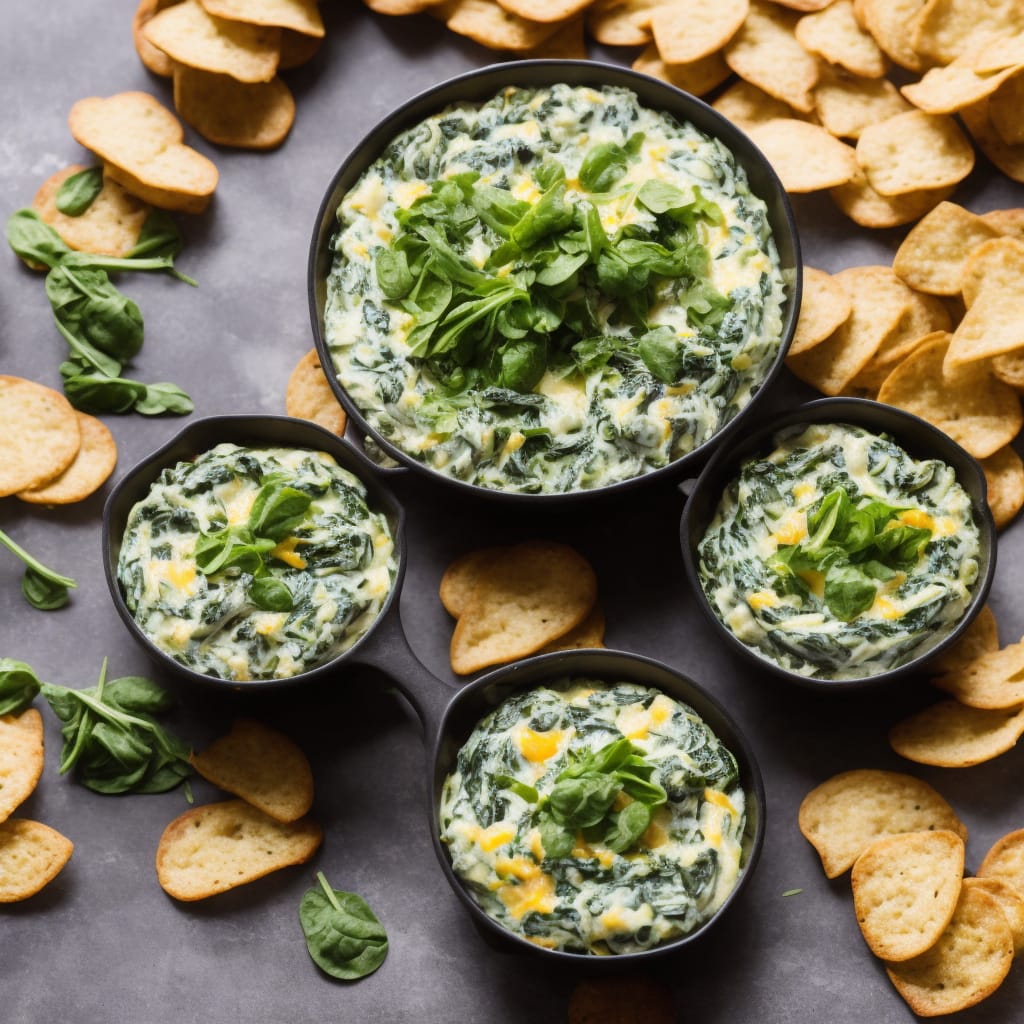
(914, 435)
(200, 436)
(480, 85)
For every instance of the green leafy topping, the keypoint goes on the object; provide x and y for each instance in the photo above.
(111, 739)
(855, 546)
(77, 191)
(43, 588)
(19, 685)
(343, 935)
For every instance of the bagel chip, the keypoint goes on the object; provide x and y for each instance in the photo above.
(1010, 901)
(309, 396)
(945, 29)
(262, 766)
(109, 227)
(1004, 474)
(847, 104)
(746, 105)
(946, 90)
(994, 680)
(210, 849)
(998, 263)
(621, 22)
(589, 633)
(155, 60)
(1009, 368)
(488, 23)
(88, 471)
(31, 856)
(544, 10)
(297, 49)
(699, 77)
(1006, 109)
(191, 36)
(824, 307)
(1005, 860)
(1008, 157)
(687, 30)
(232, 113)
(40, 432)
(905, 889)
(806, 157)
(463, 575)
(889, 22)
(533, 593)
(951, 735)
(845, 814)
(21, 758)
(967, 963)
(865, 206)
(835, 35)
(302, 16)
(980, 637)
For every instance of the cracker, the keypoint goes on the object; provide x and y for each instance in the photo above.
(889, 22)
(31, 856)
(89, 470)
(745, 105)
(979, 412)
(834, 35)
(153, 59)
(1006, 109)
(914, 151)
(697, 78)
(1005, 860)
(997, 263)
(302, 16)
(805, 156)
(232, 113)
(879, 301)
(40, 434)
(990, 327)
(1007, 222)
(687, 30)
(109, 227)
(1010, 901)
(21, 758)
(945, 29)
(951, 735)
(621, 22)
(824, 307)
(189, 35)
(1007, 158)
(905, 889)
(219, 846)
(463, 575)
(1009, 369)
(994, 680)
(400, 6)
(139, 141)
(533, 593)
(844, 815)
(588, 634)
(967, 963)
(948, 89)
(864, 206)
(932, 256)
(309, 396)
(622, 999)
(488, 23)
(567, 42)
(980, 637)
(297, 49)
(262, 766)
(765, 53)
(544, 10)
(847, 104)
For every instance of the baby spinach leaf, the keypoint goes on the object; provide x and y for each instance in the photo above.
(111, 740)
(557, 840)
(77, 191)
(19, 685)
(848, 591)
(271, 595)
(628, 826)
(278, 509)
(661, 353)
(95, 392)
(33, 240)
(43, 588)
(584, 801)
(393, 274)
(233, 548)
(163, 397)
(528, 793)
(343, 935)
(603, 165)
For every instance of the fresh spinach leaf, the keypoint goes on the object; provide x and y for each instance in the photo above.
(33, 240)
(271, 595)
(19, 685)
(163, 397)
(343, 935)
(43, 588)
(278, 509)
(77, 191)
(628, 826)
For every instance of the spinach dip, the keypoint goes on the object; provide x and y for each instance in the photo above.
(255, 563)
(837, 555)
(555, 290)
(595, 818)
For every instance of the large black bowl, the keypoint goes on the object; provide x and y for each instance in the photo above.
(482, 84)
(921, 440)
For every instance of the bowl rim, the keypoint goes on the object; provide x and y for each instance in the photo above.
(201, 435)
(609, 665)
(479, 84)
(863, 412)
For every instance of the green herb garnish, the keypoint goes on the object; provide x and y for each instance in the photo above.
(343, 935)
(43, 588)
(102, 327)
(855, 546)
(584, 794)
(19, 685)
(111, 739)
(77, 191)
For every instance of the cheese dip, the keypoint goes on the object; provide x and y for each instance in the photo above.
(837, 555)
(255, 563)
(555, 290)
(595, 818)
